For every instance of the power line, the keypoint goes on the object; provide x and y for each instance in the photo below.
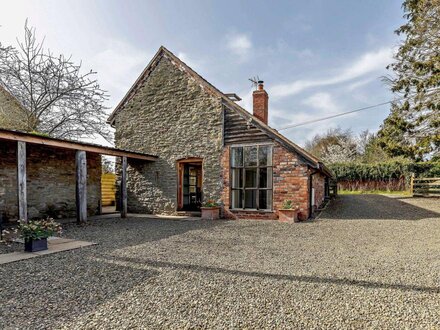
(348, 112)
(334, 116)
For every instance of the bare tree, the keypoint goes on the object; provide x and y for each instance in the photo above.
(60, 100)
(343, 151)
(334, 146)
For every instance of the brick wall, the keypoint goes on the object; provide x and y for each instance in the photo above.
(50, 181)
(290, 182)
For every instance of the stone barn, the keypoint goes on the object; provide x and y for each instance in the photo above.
(209, 147)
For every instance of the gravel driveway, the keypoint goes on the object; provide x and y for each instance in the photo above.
(354, 271)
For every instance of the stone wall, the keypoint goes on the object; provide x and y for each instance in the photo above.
(50, 181)
(173, 117)
(12, 114)
(290, 182)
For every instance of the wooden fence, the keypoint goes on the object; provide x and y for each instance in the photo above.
(108, 189)
(426, 187)
(394, 184)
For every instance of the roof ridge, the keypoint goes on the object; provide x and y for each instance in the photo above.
(226, 100)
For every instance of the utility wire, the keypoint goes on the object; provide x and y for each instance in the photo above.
(334, 116)
(347, 112)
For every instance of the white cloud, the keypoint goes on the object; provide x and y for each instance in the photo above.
(239, 44)
(184, 58)
(322, 101)
(118, 66)
(368, 63)
(360, 83)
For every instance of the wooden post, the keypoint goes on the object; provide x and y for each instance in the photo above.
(124, 188)
(411, 185)
(81, 186)
(21, 181)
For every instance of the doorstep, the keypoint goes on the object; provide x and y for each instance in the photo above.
(55, 244)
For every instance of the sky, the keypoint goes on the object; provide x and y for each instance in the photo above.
(316, 57)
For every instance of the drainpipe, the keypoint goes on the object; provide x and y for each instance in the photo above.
(310, 192)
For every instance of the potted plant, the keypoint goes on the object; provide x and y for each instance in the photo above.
(288, 212)
(36, 232)
(210, 210)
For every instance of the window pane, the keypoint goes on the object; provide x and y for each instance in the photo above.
(250, 199)
(265, 199)
(250, 156)
(237, 156)
(265, 177)
(265, 155)
(237, 197)
(262, 155)
(237, 178)
(251, 178)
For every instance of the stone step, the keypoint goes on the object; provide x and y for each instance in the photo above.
(189, 213)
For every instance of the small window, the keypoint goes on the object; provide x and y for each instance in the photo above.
(251, 177)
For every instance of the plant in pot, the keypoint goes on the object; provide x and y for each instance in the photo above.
(210, 210)
(288, 212)
(36, 232)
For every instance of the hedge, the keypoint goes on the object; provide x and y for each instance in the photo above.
(384, 171)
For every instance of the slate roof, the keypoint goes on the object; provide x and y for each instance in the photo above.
(163, 52)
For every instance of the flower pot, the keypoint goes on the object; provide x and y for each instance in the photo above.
(34, 245)
(210, 213)
(288, 215)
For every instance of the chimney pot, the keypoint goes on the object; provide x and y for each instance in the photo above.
(261, 103)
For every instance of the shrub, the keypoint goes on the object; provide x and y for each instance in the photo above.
(287, 205)
(38, 229)
(384, 171)
(210, 203)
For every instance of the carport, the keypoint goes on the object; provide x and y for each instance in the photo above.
(81, 151)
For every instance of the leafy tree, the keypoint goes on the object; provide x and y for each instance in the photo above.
(60, 100)
(372, 152)
(413, 127)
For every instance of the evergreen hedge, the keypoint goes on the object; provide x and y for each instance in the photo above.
(384, 171)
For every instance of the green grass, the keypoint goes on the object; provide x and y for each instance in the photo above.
(376, 192)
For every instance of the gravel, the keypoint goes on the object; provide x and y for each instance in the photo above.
(351, 271)
(9, 247)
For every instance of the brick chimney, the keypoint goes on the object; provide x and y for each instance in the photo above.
(261, 102)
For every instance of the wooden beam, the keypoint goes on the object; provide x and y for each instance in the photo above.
(65, 144)
(81, 186)
(21, 181)
(124, 188)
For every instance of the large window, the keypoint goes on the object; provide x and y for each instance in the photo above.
(251, 177)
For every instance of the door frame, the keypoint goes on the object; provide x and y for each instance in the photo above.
(179, 166)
